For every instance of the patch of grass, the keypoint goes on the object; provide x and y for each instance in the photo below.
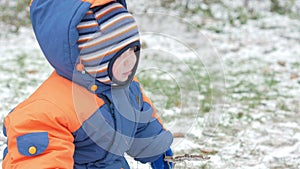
(251, 85)
(283, 106)
(270, 80)
(255, 16)
(215, 29)
(242, 15)
(21, 60)
(191, 80)
(296, 65)
(161, 87)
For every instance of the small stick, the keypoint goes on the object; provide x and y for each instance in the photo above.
(185, 157)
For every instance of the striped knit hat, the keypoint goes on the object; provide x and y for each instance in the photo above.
(105, 33)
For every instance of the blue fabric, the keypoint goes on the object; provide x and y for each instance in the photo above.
(5, 152)
(4, 130)
(149, 149)
(96, 140)
(60, 50)
(117, 164)
(149, 133)
(5, 134)
(136, 95)
(123, 2)
(88, 30)
(160, 163)
(55, 26)
(145, 130)
(39, 140)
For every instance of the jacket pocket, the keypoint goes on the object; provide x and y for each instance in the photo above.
(33, 144)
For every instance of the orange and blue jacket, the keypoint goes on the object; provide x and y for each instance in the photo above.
(71, 120)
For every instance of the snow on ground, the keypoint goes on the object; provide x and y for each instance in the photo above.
(257, 126)
(254, 124)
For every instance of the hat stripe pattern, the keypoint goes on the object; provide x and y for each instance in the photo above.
(104, 31)
(99, 39)
(95, 54)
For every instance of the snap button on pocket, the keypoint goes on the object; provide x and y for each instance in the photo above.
(32, 150)
(32, 144)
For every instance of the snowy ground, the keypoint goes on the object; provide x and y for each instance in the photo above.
(230, 92)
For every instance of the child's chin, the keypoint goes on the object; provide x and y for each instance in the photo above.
(123, 79)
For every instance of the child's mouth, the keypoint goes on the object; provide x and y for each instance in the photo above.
(127, 73)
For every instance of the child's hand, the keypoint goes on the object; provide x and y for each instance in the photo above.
(160, 163)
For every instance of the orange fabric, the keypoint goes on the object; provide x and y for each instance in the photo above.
(77, 102)
(108, 11)
(58, 107)
(113, 23)
(86, 26)
(98, 71)
(135, 79)
(24, 120)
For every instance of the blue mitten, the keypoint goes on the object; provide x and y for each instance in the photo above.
(160, 163)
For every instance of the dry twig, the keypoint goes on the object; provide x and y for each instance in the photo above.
(186, 157)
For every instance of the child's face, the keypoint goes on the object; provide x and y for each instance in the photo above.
(123, 65)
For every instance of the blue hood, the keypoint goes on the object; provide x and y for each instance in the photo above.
(54, 23)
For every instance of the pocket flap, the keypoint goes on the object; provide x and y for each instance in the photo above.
(33, 144)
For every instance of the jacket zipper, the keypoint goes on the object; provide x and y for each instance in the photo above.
(111, 108)
(112, 112)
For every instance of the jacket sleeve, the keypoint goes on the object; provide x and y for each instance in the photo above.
(38, 139)
(152, 139)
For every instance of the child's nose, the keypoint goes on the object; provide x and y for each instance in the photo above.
(128, 62)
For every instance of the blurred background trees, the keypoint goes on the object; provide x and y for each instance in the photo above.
(15, 13)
